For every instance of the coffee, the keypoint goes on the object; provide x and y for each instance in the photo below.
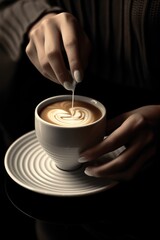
(65, 128)
(65, 114)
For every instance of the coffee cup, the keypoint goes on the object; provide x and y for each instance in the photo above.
(65, 128)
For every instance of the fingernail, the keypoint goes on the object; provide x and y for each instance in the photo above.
(82, 160)
(88, 172)
(69, 86)
(77, 76)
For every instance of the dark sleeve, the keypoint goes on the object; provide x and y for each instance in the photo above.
(15, 19)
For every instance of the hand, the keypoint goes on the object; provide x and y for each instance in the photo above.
(136, 130)
(52, 40)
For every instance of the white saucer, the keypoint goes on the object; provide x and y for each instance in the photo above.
(29, 166)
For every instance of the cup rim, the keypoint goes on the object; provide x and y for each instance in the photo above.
(90, 100)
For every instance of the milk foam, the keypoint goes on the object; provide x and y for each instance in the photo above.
(76, 116)
(63, 114)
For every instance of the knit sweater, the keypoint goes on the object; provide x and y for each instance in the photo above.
(125, 34)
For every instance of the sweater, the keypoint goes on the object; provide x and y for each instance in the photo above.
(124, 33)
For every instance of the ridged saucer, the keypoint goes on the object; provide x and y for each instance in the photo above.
(30, 167)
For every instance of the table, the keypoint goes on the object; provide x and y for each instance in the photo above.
(127, 211)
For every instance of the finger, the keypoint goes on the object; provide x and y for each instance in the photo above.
(32, 54)
(72, 46)
(53, 51)
(134, 169)
(124, 160)
(46, 69)
(120, 137)
(115, 122)
(35, 53)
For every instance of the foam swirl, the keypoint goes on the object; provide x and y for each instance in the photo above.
(63, 114)
(76, 116)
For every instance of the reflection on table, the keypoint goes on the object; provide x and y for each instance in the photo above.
(115, 214)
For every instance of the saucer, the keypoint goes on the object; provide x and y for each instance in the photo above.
(29, 166)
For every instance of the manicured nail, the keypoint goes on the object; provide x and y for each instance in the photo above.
(88, 172)
(82, 160)
(69, 86)
(77, 76)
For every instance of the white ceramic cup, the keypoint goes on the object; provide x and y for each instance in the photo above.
(64, 143)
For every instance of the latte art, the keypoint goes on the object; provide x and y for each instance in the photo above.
(74, 117)
(63, 114)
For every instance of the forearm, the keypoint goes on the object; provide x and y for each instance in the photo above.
(15, 19)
